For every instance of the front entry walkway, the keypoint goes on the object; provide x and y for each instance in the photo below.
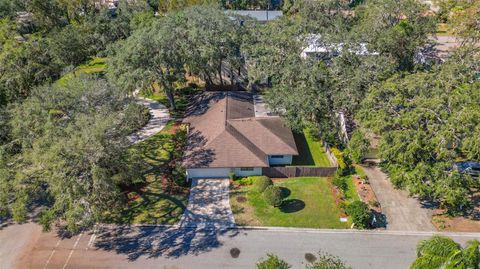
(403, 213)
(208, 205)
(157, 122)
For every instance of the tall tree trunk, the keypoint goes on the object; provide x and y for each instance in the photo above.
(220, 72)
(169, 93)
(208, 80)
(232, 75)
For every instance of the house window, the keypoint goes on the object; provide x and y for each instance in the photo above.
(277, 157)
(246, 169)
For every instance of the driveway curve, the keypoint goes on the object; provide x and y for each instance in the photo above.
(403, 213)
(157, 122)
(208, 204)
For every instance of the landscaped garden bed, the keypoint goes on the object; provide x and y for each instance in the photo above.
(307, 202)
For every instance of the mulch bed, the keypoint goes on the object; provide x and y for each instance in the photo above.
(366, 193)
(339, 200)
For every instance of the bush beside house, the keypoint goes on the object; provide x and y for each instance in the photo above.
(261, 183)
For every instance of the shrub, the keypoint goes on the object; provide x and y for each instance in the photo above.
(328, 261)
(272, 262)
(261, 183)
(340, 182)
(339, 156)
(246, 181)
(273, 196)
(365, 179)
(360, 214)
(231, 175)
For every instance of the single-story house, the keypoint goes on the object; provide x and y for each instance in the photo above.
(225, 135)
(317, 47)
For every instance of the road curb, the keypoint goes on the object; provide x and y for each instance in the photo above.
(355, 231)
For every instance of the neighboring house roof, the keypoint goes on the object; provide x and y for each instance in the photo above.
(315, 44)
(224, 132)
(259, 15)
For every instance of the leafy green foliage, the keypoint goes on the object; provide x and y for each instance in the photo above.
(273, 196)
(261, 183)
(427, 121)
(272, 262)
(360, 214)
(327, 261)
(357, 147)
(443, 252)
(73, 141)
(340, 182)
(310, 90)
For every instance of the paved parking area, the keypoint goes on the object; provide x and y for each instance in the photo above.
(209, 204)
(403, 213)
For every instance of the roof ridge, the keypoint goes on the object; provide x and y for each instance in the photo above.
(245, 141)
(273, 133)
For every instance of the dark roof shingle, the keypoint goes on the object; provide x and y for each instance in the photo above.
(225, 133)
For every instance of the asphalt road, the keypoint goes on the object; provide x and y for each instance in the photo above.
(162, 247)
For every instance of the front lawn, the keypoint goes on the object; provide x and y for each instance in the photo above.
(310, 150)
(309, 203)
(150, 203)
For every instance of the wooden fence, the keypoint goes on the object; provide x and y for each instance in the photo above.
(298, 171)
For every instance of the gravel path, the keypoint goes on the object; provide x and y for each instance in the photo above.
(160, 117)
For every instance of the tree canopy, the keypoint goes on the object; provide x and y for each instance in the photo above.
(73, 141)
(427, 121)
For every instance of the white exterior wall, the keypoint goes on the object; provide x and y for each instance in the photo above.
(208, 172)
(287, 159)
(257, 171)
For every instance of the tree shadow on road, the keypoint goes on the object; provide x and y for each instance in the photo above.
(156, 241)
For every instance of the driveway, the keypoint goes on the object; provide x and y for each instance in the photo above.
(403, 213)
(209, 204)
(157, 122)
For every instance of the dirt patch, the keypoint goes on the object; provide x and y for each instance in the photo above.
(469, 222)
(241, 199)
(455, 224)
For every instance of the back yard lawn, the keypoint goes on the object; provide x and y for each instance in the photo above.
(310, 150)
(150, 203)
(309, 203)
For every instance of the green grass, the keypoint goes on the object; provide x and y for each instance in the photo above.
(310, 150)
(182, 99)
(351, 193)
(309, 202)
(95, 66)
(149, 204)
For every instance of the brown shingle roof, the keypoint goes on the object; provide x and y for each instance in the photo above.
(225, 133)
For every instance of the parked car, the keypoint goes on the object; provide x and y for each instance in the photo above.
(471, 168)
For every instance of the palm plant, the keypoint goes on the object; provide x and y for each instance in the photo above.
(443, 252)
